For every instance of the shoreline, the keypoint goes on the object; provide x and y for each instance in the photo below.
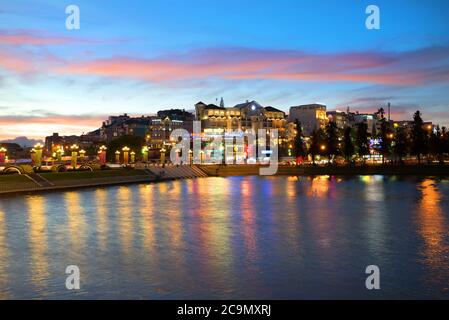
(24, 184)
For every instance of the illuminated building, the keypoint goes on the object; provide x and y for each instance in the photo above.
(311, 116)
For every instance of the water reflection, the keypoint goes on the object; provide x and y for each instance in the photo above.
(75, 221)
(101, 203)
(4, 257)
(434, 231)
(319, 187)
(147, 226)
(125, 218)
(249, 221)
(374, 222)
(240, 237)
(38, 241)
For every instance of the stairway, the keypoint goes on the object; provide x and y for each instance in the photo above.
(39, 180)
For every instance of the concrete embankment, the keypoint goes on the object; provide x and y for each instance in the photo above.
(30, 183)
(246, 170)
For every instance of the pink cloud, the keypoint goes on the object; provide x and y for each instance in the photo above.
(386, 68)
(38, 38)
(41, 126)
(68, 120)
(380, 68)
(16, 63)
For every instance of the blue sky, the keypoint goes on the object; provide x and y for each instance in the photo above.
(142, 56)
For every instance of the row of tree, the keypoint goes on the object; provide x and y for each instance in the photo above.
(391, 143)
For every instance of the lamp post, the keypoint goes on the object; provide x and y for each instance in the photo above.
(117, 157)
(59, 153)
(201, 156)
(38, 154)
(82, 154)
(163, 156)
(190, 157)
(74, 160)
(133, 156)
(102, 155)
(33, 157)
(145, 154)
(2, 154)
(125, 155)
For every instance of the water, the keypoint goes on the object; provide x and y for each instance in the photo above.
(230, 238)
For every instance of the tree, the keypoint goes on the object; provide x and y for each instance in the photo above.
(362, 140)
(419, 136)
(316, 142)
(400, 143)
(437, 144)
(381, 112)
(348, 145)
(385, 140)
(300, 147)
(135, 144)
(445, 142)
(331, 140)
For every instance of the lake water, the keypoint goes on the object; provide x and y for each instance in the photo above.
(230, 238)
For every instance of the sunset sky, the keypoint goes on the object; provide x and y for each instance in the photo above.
(142, 56)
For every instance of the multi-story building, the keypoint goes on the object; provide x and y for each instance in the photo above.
(245, 117)
(339, 117)
(241, 119)
(179, 115)
(311, 116)
(55, 142)
(368, 118)
(159, 131)
(216, 120)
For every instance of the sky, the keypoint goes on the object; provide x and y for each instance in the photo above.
(139, 57)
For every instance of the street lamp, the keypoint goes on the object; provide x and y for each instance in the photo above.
(102, 155)
(74, 160)
(133, 156)
(191, 157)
(82, 154)
(59, 153)
(125, 155)
(145, 153)
(38, 154)
(2, 154)
(163, 155)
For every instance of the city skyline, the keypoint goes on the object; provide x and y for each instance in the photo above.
(142, 58)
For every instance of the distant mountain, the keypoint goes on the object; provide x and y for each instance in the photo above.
(23, 141)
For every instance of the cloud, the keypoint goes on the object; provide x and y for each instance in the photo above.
(42, 38)
(50, 119)
(409, 68)
(43, 124)
(387, 68)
